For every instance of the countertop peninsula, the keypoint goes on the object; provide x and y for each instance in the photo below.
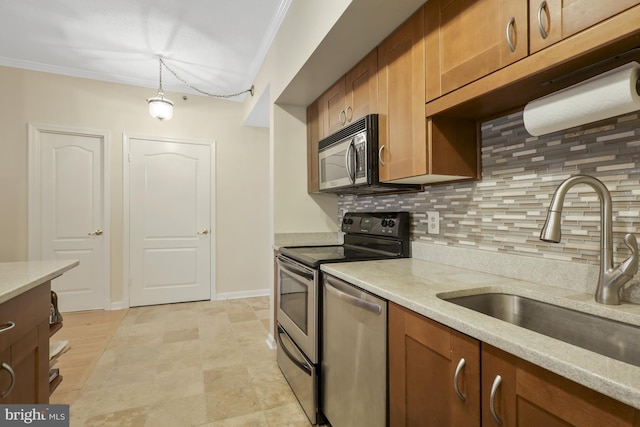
(419, 285)
(17, 278)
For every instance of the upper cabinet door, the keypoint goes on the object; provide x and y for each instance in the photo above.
(353, 96)
(362, 88)
(401, 102)
(332, 106)
(553, 20)
(468, 39)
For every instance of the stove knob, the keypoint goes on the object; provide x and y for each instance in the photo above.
(384, 223)
(391, 223)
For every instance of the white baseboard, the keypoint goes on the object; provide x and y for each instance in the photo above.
(242, 294)
(271, 343)
(116, 305)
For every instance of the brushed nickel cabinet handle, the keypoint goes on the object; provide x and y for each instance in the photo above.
(456, 377)
(349, 114)
(510, 24)
(492, 399)
(205, 232)
(380, 155)
(9, 369)
(98, 232)
(7, 326)
(342, 117)
(543, 32)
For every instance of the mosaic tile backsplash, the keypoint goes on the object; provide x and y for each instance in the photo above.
(505, 211)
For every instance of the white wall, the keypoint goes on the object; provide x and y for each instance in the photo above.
(242, 153)
(294, 210)
(315, 45)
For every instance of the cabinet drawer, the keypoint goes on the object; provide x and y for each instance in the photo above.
(27, 311)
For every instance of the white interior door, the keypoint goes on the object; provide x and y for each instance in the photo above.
(67, 212)
(169, 221)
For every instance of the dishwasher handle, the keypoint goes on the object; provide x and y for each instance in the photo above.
(330, 285)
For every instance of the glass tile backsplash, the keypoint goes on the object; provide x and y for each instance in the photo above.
(505, 211)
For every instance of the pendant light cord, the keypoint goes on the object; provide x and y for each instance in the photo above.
(162, 64)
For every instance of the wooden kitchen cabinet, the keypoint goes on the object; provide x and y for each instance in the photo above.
(401, 121)
(468, 39)
(25, 347)
(530, 396)
(314, 135)
(353, 96)
(424, 357)
(553, 20)
(414, 149)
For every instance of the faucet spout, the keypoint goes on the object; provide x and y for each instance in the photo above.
(611, 279)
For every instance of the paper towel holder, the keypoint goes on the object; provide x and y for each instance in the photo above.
(630, 55)
(608, 94)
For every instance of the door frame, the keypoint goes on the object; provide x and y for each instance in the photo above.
(34, 191)
(126, 241)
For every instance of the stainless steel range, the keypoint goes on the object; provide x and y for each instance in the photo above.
(368, 236)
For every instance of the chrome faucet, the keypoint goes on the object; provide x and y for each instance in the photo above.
(611, 279)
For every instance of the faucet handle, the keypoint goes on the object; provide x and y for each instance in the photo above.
(630, 266)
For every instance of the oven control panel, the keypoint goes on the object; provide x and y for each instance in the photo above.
(394, 224)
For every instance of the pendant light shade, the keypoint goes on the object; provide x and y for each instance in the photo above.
(160, 107)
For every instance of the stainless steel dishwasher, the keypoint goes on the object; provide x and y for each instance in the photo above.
(353, 373)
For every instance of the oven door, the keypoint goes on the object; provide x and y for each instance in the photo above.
(298, 304)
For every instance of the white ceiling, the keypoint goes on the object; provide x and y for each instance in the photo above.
(215, 45)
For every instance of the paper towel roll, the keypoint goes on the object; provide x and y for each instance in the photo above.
(607, 95)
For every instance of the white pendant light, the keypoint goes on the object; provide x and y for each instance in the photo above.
(160, 107)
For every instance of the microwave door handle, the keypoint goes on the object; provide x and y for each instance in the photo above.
(349, 161)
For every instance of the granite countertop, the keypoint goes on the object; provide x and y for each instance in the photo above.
(19, 277)
(416, 285)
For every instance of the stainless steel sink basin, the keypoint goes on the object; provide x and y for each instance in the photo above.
(607, 337)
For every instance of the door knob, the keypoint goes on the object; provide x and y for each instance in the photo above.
(205, 231)
(98, 232)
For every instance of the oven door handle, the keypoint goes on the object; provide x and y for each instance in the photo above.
(300, 364)
(350, 299)
(304, 275)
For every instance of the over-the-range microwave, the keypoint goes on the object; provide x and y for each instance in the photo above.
(348, 161)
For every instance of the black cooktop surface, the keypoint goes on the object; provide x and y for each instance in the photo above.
(368, 236)
(313, 256)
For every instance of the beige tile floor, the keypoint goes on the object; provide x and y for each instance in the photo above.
(190, 364)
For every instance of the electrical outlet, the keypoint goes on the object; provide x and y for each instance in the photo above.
(433, 221)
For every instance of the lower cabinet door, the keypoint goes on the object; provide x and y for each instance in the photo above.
(434, 373)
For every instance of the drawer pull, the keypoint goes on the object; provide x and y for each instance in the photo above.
(492, 399)
(9, 369)
(543, 31)
(7, 326)
(459, 369)
(380, 155)
(510, 24)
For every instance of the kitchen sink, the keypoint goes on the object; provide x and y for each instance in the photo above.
(607, 337)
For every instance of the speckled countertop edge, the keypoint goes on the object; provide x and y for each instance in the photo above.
(18, 277)
(416, 284)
